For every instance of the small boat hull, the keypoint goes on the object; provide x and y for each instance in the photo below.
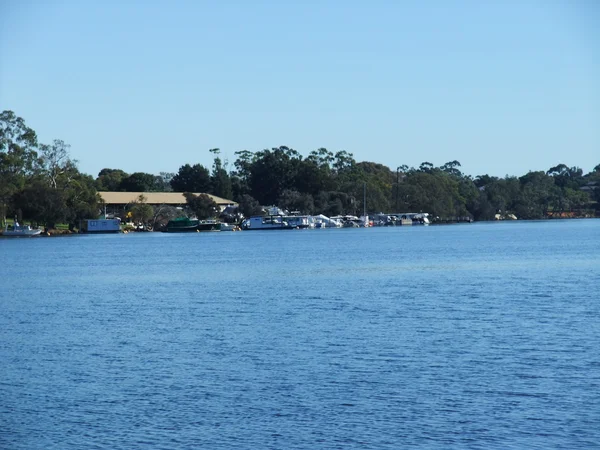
(20, 231)
(24, 233)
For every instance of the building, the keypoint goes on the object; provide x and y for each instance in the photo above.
(101, 226)
(116, 202)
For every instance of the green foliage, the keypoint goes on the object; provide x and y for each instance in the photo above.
(19, 161)
(203, 206)
(164, 213)
(194, 178)
(249, 206)
(293, 200)
(141, 212)
(42, 205)
(220, 180)
(43, 183)
(82, 199)
(271, 172)
(110, 180)
(141, 182)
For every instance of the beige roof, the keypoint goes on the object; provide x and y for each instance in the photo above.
(155, 198)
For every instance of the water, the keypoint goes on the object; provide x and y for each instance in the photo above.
(466, 336)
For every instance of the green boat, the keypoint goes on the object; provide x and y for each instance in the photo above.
(185, 224)
(182, 225)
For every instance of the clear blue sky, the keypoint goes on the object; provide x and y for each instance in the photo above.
(501, 86)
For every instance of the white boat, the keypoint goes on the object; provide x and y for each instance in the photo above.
(299, 222)
(227, 227)
(20, 230)
(322, 221)
(265, 223)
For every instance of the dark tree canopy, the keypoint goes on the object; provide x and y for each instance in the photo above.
(328, 182)
(141, 182)
(203, 206)
(194, 178)
(110, 179)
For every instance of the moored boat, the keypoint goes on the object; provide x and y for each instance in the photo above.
(265, 223)
(209, 225)
(20, 231)
(182, 225)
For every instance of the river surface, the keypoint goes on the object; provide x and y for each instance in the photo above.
(464, 336)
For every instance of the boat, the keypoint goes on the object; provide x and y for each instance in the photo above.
(322, 221)
(228, 227)
(209, 225)
(266, 223)
(20, 231)
(415, 218)
(182, 225)
(299, 222)
(185, 224)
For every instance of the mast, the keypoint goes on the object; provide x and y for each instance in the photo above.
(365, 218)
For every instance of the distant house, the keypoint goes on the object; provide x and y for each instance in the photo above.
(116, 202)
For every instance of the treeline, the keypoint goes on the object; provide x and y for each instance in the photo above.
(40, 182)
(43, 184)
(333, 184)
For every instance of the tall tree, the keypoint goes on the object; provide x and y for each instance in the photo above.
(56, 161)
(82, 199)
(220, 180)
(140, 182)
(76, 189)
(272, 172)
(42, 204)
(110, 179)
(19, 160)
(194, 178)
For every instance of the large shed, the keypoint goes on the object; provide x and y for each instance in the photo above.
(115, 201)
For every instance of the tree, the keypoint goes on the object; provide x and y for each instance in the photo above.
(451, 168)
(293, 200)
(164, 213)
(56, 161)
(110, 179)
(141, 212)
(483, 180)
(82, 199)
(334, 203)
(535, 195)
(426, 167)
(248, 206)
(165, 181)
(140, 182)
(63, 193)
(272, 172)
(19, 160)
(220, 180)
(41, 204)
(203, 206)
(194, 178)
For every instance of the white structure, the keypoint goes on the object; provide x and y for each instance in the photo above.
(265, 223)
(101, 226)
(322, 221)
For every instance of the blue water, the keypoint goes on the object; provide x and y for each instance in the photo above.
(466, 336)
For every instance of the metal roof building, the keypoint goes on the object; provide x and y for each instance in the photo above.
(156, 198)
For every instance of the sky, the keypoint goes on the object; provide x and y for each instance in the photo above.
(504, 87)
